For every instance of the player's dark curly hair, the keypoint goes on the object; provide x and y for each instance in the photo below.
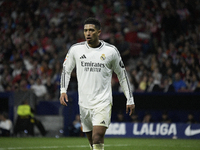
(94, 22)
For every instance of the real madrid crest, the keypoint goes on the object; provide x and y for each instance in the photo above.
(103, 57)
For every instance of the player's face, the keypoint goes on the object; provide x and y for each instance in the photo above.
(91, 35)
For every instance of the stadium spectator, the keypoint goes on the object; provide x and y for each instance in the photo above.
(198, 87)
(143, 84)
(167, 85)
(134, 118)
(141, 70)
(187, 78)
(134, 78)
(124, 48)
(165, 118)
(153, 85)
(39, 89)
(1, 87)
(59, 41)
(157, 75)
(120, 117)
(6, 79)
(50, 88)
(5, 125)
(179, 84)
(193, 84)
(166, 66)
(190, 119)
(147, 118)
(18, 67)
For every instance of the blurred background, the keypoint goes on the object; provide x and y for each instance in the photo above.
(159, 41)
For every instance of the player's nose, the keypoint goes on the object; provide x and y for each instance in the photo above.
(88, 33)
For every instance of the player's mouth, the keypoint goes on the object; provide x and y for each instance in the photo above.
(88, 38)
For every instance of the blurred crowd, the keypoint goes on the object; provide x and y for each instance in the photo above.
(159, 41)
(153, 117)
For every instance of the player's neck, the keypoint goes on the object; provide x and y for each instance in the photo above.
(98, 44)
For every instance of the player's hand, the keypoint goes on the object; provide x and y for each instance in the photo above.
(131, 108)
(63, 99)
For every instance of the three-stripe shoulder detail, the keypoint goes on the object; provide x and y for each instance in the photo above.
(77, 44)
(112, 46)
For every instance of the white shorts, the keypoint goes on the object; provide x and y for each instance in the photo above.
(95, 117)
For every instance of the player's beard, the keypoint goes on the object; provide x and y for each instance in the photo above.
(91, 42)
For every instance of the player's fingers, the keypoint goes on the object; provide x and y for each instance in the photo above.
(131, 107)
(62, 101)
(126, 109)
(66, 98)
(131, 111)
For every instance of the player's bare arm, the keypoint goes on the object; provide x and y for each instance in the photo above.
(63, 99)
(130, 109)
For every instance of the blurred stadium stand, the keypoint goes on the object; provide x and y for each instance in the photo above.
(162, 34)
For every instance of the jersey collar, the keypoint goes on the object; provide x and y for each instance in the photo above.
(102, 44)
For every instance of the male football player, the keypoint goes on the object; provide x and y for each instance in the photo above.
(95, 61)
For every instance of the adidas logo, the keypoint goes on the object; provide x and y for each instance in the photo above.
(103, 122)
(83, 57)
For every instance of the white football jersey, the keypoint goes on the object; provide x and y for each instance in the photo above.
(94, 68)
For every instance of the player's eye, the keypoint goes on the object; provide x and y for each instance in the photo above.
(92, 30)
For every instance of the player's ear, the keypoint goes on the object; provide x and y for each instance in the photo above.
(99, 32)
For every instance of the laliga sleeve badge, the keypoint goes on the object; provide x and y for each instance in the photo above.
(66, 57)
(103, 57)
(121, 64)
